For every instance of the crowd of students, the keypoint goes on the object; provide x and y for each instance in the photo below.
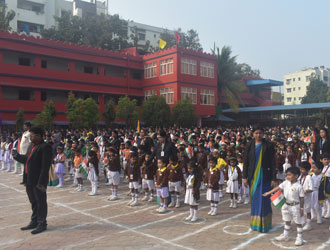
(174, 164)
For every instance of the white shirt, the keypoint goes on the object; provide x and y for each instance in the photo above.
(25, 143)
(316, 181)
(326, 171)
(306, 182)
(292, 192)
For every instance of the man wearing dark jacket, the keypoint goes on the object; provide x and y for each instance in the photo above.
(36, 162)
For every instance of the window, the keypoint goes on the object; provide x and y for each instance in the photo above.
(150, 70)
(325, 78)
(188, 66)
(288, 90)
(300, 98)
(136, 74)
(149, 93)
(166, 66)
(114, 71)
(86, 68)
(294, 79)
(207, 69)
(294, 89)
(54, 64)
(190, 93)
(25, 95)
(24, 61)
(2, 3)
(298, 78)
(288, 81)
(168, 94)
(308, 78)
(29, 27)
(294, 98)
(299, 88)
(207, 97)
(289, 99)
(142, 36)
(28, 5)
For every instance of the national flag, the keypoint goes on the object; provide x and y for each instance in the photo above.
(189, 152)
(278, 199)
(162, 44)
(178, 37)
(83, 171)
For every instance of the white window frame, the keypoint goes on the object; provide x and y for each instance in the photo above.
(149, 93)
(207, 97)
(168, 94)
(207, 69)
(190, 93)
(150, 70)
(166, 66)
(188, 66)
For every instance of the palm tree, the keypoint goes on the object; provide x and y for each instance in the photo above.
(229, 77)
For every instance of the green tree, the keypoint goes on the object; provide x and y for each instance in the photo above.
(45, 119)
(19, 119)
(83, 113)
(246, 70)
(127, 110)
(229, 76)
(70, 101)
(104, 31)
(183, 113)
(5, 18)
(156, 112)
(317, 92)
(189, 39)
(109, 112)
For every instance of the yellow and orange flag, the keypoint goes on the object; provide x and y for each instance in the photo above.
(162, 44)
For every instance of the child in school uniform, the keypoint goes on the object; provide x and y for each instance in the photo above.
(221, 164)
(93, 171)
(2, 152)
(192, 190)
(174, 180)
(59, 166)
(112, 164)
(8, 157)
(325, 158)
(134, 176)
(244, 191)
(316, 212)
(148, 177)
(211, 179)
(233, 176)
(162, 184)
(305, 180)
(293, 209)
(77, 161)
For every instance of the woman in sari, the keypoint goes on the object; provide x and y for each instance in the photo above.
(259, 172)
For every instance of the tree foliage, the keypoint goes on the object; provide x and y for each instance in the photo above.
(183, 113)
(19, 119)
(246, 70)
(45, 119)
(83, 113)
(189, 39)
(109, 112)
(104, 31)
(127, 110)
(317, 92)
(5, 18)
(229, 78)
(156, 112)
(70, 101)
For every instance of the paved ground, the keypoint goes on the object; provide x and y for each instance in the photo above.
(77, 221)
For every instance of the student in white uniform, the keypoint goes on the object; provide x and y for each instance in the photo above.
(25, 142)
(305, 180)
(293, 209)
(325, 158)
(316, 178)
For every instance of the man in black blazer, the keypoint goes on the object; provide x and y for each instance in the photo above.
(36, 162)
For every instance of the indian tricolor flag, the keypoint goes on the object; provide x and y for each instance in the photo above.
(278, 199)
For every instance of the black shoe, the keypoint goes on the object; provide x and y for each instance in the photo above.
(32, 225)
(22, 183)
(39, 229)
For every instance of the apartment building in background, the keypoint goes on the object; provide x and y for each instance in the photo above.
(34, 15)
(296, 84)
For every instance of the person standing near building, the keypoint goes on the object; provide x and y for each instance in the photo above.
(25, 143)
(259, 173)
(36, 162)
(322, 145)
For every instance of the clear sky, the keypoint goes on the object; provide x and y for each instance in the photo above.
(275, 36)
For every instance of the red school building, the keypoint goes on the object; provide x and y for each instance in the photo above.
(35, 70)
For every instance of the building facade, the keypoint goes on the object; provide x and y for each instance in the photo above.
(35, 70)
(34, 15)
(296, 84)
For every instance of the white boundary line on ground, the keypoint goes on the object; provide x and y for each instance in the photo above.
(261, 235)
(324, 245)
(10, 226)
(10, 242)
(82, 243)
(124, 227)
(14, 198)
(17, 190)
(205, 228)
(225, 230)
